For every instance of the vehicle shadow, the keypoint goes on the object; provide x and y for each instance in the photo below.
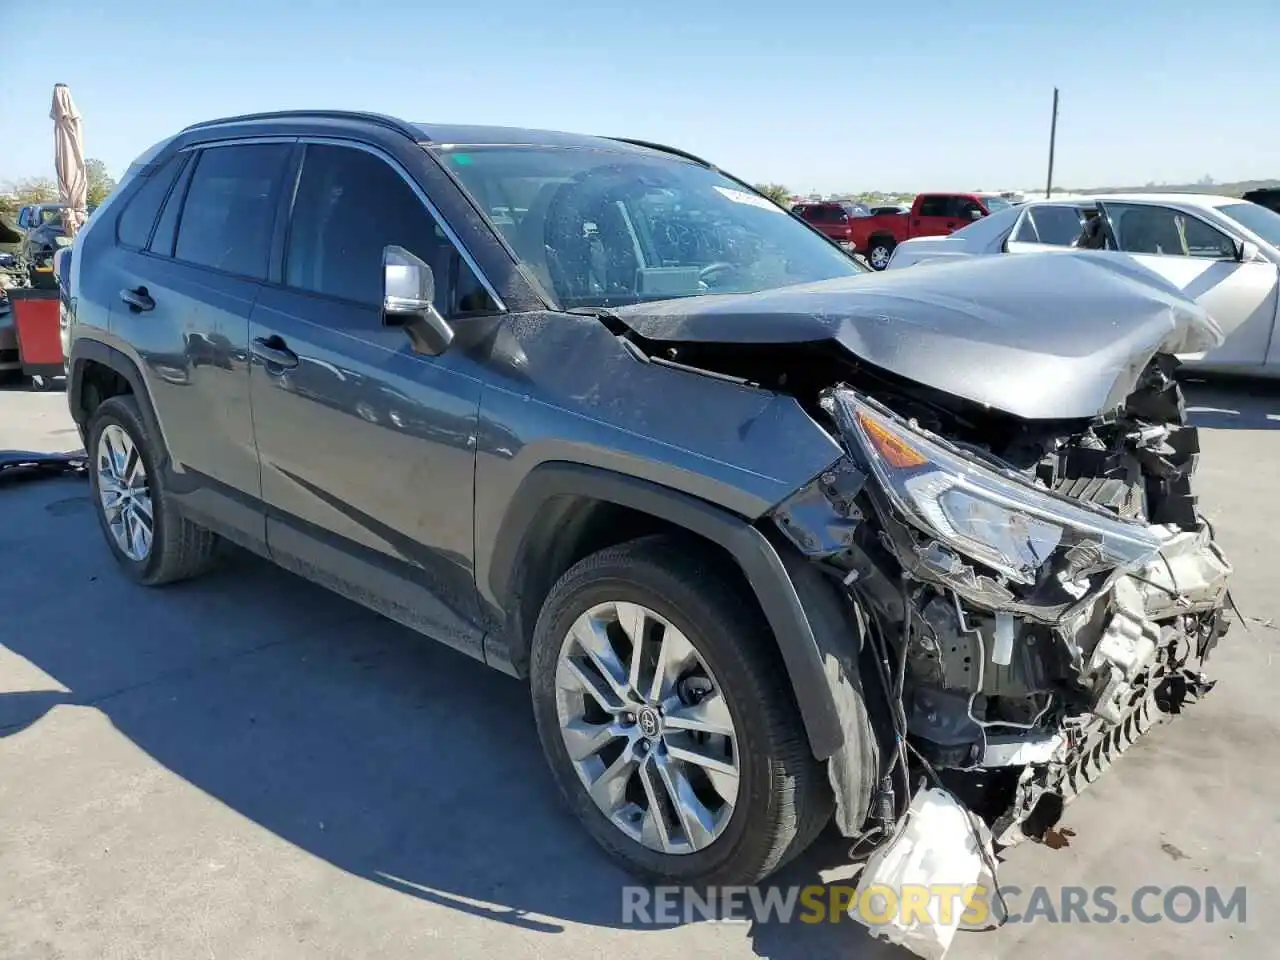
(392, 758)
(1233, 403)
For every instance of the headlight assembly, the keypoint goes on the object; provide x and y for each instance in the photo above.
(997, 518)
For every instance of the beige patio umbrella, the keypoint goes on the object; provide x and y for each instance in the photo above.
(68, 158)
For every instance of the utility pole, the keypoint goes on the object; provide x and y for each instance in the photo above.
(1053, 136)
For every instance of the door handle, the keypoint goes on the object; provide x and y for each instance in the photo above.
(138, 299)
(273, 351)
(916, 223)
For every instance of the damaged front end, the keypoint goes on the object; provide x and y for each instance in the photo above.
(1031, 608)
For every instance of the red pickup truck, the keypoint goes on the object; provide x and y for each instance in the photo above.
(931, 215)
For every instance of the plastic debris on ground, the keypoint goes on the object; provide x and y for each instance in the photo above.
(942, 843)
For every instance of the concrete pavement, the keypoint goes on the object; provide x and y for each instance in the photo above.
(248, 766)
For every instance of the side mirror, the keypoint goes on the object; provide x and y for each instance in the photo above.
(408, 301)
(976, 214)
(1247, 251)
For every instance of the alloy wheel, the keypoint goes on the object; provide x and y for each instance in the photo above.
(647, 728)
(125, 492)
(879, 257)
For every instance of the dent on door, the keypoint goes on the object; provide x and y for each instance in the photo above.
(1241, 297)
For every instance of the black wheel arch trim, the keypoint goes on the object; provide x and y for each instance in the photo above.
(84, 351)
(757, 556)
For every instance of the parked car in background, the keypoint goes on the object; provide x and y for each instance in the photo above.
(1268, 197)
(930, 214)
(43, 228)
(9, 360)
(832, 218)
(655, 446)
(891, 209)
(1223, 252)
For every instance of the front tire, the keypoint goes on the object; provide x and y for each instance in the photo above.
(664, 711)
(149, 538)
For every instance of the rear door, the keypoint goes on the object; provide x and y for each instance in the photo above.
(1201, 260)
(188, 281)
(367, 448)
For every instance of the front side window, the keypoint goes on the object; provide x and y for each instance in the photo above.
(934, 207)
(603, 227)
(351, 204)
(1140, 228)
(229, 211)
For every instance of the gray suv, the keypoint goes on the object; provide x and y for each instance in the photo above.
(768, 536)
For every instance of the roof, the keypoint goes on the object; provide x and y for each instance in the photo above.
(1187, 199)
(473, 135)
(451, 133)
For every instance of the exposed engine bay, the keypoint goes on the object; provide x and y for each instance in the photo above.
(1035, 606)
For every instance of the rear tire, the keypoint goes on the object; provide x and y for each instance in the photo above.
(783, 799)
(176, 548)
(879, 251)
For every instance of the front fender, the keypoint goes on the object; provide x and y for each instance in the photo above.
(801, 638)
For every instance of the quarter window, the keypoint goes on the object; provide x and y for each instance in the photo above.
(133, 229)
(166, 230)
(351, 204)
(230, 208)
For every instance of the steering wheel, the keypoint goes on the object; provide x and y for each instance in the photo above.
(715, 270)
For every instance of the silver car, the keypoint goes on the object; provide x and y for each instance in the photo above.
(1221, 251)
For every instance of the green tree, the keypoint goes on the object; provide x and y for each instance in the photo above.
(101, 183)
(776, 192)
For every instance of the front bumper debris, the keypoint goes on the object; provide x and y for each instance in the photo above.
(1164, 616)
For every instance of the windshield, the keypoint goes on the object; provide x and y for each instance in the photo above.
(1265, 223)
(996, 203)
(606, 228)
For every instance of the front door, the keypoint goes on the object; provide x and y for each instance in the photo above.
(1201, 261)
(936, 216)
(367, 448)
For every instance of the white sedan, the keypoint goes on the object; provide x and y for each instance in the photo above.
(1222, 252)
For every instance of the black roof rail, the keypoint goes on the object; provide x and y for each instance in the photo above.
(382, 120)
(663, 148)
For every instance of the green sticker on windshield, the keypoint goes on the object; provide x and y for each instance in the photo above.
(462, 159)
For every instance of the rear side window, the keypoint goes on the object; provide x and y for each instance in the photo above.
(351, 204)
(133, 229)
(229, 211)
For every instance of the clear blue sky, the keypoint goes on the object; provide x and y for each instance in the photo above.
(819, 95)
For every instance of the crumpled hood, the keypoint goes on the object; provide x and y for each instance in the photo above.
(1041, 336)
